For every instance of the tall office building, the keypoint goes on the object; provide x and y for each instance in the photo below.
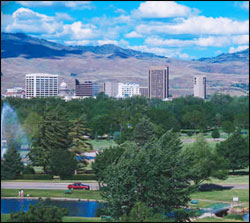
(127, 90)
(200, 86)
(110, 88)
(41, 85)
(86, 89)
(158, 82)
(144, 91)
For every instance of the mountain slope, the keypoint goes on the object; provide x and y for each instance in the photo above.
(242, 56)
(20, 44)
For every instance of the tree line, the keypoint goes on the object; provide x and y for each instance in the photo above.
(111, 116)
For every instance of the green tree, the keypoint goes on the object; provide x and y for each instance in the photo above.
(236, 150)
(40, 212)
(109, 156)
(215, 133)
(143, 131)
(228, 127)
(32, 124)
(62, 163)
(204, 162)
(53, 134)
(195, 119)
(78, 134)
(155, 175)
(11, 165)
(141, 213)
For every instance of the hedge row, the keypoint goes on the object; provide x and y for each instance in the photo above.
(49, 177)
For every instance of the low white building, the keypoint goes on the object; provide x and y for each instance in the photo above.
(16, 92)
(128, 90)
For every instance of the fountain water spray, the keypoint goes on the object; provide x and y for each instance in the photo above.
(11, 130)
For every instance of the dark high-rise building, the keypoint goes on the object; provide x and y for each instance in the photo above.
(158, 82)
(87, 88)
(143, 91)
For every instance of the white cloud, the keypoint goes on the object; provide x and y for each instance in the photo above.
(102, 42)
(240, 39)
(121, 11)
(197, 25)
(63, 16)
(214, 41)
(184, 55)
(161, 9)
(80, 42)
(35, 3)
(156, 50)
(78, 31)
(78, 4)
(5, 21)
(133, 34)
(26, 20)
(68, 4)
(243, 5)
(239, 48)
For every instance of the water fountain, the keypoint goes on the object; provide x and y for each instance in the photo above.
(11, 130)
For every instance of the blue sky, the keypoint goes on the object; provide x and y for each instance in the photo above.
(180, 29)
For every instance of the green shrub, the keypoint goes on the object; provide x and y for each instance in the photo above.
(35, 177)
(28, 170)
(81, 177)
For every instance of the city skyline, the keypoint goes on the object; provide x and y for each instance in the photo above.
(186, 30)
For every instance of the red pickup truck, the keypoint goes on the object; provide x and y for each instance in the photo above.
(78, 186)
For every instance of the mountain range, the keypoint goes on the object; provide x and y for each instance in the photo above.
(22, 54)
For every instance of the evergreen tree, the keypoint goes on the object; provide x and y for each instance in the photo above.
(78, 135)
(215, 133)
(62, 163)
(143, 132)
(236, 150)
(53, 135)
(11, 165)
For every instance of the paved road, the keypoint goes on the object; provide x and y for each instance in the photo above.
(63, 186)
(42, 185)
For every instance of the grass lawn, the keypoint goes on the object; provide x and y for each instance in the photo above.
(52, 181)
(5, 217)
(232, 179)
(83, 194)
(81, 219)
(202, 204)
(102, 144)
(224, 195)
(211, 219)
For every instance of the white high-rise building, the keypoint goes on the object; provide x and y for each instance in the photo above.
(200, 86)
(110, 88)
(41, 85)
(128, 90)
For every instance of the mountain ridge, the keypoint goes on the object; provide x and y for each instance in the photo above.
(22, 54)
(21, 44)
(242, 56)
